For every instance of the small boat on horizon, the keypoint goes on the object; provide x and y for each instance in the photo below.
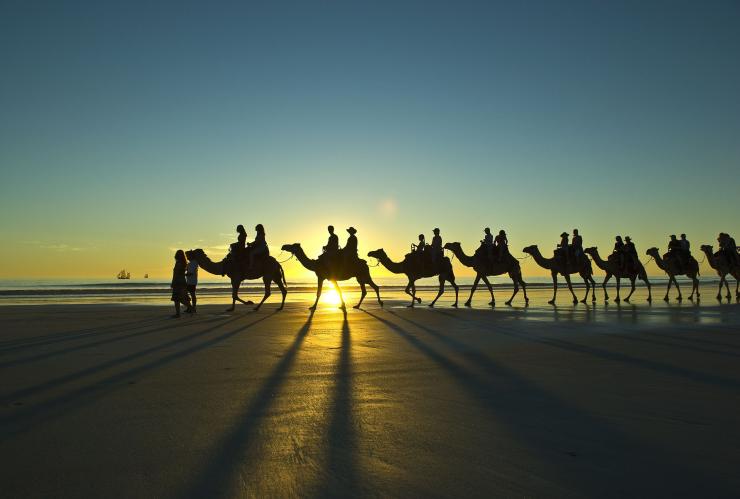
(123, 274)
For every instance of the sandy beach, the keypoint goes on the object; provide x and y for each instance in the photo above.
(121, 401)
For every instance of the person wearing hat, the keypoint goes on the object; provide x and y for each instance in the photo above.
(563, 247)
(502, 245)
(619, 251)
(631, 252)
(674, 249)
(577, 245)
(437, 251)
(258, 246)
(487, 242)
(350, 249)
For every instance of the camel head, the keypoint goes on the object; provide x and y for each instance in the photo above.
(291, 248)
(378, 253)
(198, 254)
(707, 248)
(530, 249)
(452, 246)
(653, 252)
(590, 250)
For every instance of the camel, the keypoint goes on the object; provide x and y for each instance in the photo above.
(336, 271)
(555, 266)
(484, 268)
(414, 271)
(269, 271)
(719, 262)
(672, 268)
(611, 268)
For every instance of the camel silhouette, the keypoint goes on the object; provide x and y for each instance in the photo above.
(718, 261)
(484, 267)
(582, 266)
(335, 269)
(672, 267)
(411, 267)
(269, 270)
(611, 267)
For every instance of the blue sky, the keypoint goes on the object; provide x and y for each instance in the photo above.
(131, 129)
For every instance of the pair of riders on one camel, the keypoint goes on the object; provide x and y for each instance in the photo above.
(334, 254)
(427, 255)
(570, 252)
(249, 253)
(625, 254)
(729, 249)
(679, 251)
(493, 249)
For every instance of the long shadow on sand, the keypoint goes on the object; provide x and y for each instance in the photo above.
(48, 339)
(77, 348)
(215, 480)
(570, 444)
(22, 420)
(341, 478)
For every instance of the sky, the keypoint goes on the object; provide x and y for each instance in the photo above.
(131, 129)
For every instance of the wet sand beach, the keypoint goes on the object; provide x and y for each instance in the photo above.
(566, 401)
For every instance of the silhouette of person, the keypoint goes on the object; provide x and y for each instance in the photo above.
(437, 250)
(191, 278)
(563, 247)
(728, 248)
(631, 252)
(419, 248)
(332, 245)
(487, 242)
(502, 245)
(350, 249)
(619, 251)
(241, 242)
(685, 249)
(674, 249)
(179, 285)
(258, 247)
(577, 245)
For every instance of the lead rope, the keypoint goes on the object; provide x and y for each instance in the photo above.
(283, 261)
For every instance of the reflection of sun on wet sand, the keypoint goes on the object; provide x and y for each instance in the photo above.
(618, 400)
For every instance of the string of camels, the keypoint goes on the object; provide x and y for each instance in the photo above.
(339, 264)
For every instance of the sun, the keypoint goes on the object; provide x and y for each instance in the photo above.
(330, 296)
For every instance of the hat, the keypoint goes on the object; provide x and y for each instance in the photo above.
(627, 238)
(487, 229)
(435, 230)
(502, 232)
(352, 230)
(564, 234)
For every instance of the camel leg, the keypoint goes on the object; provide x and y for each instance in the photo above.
(234, 293)
(267, 281)
(440, 291)
(377, 291)
(632, 289)
(678, 288)
(694, 288)
(650, 290)
(318, 294)
(554, 288)
(472, 289)
(603, 286)
(454, 285)
(283, 291)
(617, 299)
(524, 288)
(363, 293)
(412, 293)
(339, 292)
(727, 287)
(570, 288)
(490, 290)
(593, 288)
(670, 281)
(719, 290)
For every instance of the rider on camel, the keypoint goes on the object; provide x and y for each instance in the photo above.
(501, 243)
(631, 252)
(619, 251)
(258, 247)
(349, 252)
(436, 249)
(487, 243)
(563, 247)
(728, 248)
(577, 245)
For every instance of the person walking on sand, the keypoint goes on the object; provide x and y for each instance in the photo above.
(179, 285)
(191, 277)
